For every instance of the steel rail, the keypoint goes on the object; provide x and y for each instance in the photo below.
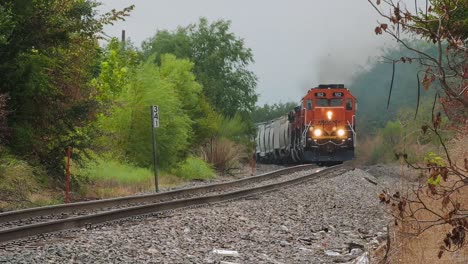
(88, 220)
(97, 204)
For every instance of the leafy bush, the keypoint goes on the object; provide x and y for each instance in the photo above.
(194, 168)
(17, 182)
(127, 131)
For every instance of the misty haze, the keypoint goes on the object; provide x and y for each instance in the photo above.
(296, 45)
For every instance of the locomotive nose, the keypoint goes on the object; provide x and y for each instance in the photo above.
(330, 148)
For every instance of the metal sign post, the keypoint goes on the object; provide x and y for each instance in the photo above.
(67, 176)
(154, 125)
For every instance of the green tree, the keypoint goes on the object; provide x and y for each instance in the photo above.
(221, 61)
(118, 63)
(126, 130)
(49, 54)
(269, 112)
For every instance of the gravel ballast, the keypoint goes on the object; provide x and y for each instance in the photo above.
(330, 221)
(260, 182)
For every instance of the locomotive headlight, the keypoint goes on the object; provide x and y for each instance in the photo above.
(317, 132)
(329, 115)
(340, 132)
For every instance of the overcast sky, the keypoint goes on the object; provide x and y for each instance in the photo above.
(297, 44)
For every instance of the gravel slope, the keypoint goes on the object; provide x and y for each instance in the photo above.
(329, 221)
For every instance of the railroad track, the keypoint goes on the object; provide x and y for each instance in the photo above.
(36, 221)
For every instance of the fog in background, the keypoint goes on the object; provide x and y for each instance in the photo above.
(297, 44)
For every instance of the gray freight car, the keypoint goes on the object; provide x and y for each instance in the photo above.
(272, 141)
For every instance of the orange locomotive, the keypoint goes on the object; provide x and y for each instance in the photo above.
(321, 130)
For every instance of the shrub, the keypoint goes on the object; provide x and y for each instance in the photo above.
(17, 182)
(224, 154)
(115, 173)
(194, 168)
(106, 178)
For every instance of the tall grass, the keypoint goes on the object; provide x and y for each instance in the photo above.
(20, 182)
(224, 154)
(194, 168)
(109, 178)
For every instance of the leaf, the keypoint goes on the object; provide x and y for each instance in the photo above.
(432, 189)
(440, 254)
(426, 82)
(408, 16)
(378, 2)
(437, 120)
(419, 95)
(424, 128)
(447, 241)
(444, 173)
(382, 197)
(384, 26)
(378, 31)
(434, 181)
(445, 201)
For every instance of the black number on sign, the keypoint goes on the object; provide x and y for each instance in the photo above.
(338, 94)
(320, 94)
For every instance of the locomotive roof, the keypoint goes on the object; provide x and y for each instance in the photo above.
(321, 86)
(330, 87)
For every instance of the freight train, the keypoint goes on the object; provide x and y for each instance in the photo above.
(322, 130)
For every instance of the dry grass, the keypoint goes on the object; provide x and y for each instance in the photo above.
(111, 189)
(225, 155)
(424, 248)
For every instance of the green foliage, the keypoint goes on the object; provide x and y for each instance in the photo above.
(434, 160)
(233, 128)
(269, 112)
(194, 168)
(47, 74)
(392, 133)
(6, 23)
(456, 21)
(64, 90)
(17, 182)
(117, 64)
(3, 116)
(436, 181)
(127, 130)
(371, 88)
(220, 59)
(114, 172)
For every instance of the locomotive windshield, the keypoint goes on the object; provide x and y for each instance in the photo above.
(336, 102)
(322, 102)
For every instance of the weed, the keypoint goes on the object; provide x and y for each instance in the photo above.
(224, 154)
(194, 168)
